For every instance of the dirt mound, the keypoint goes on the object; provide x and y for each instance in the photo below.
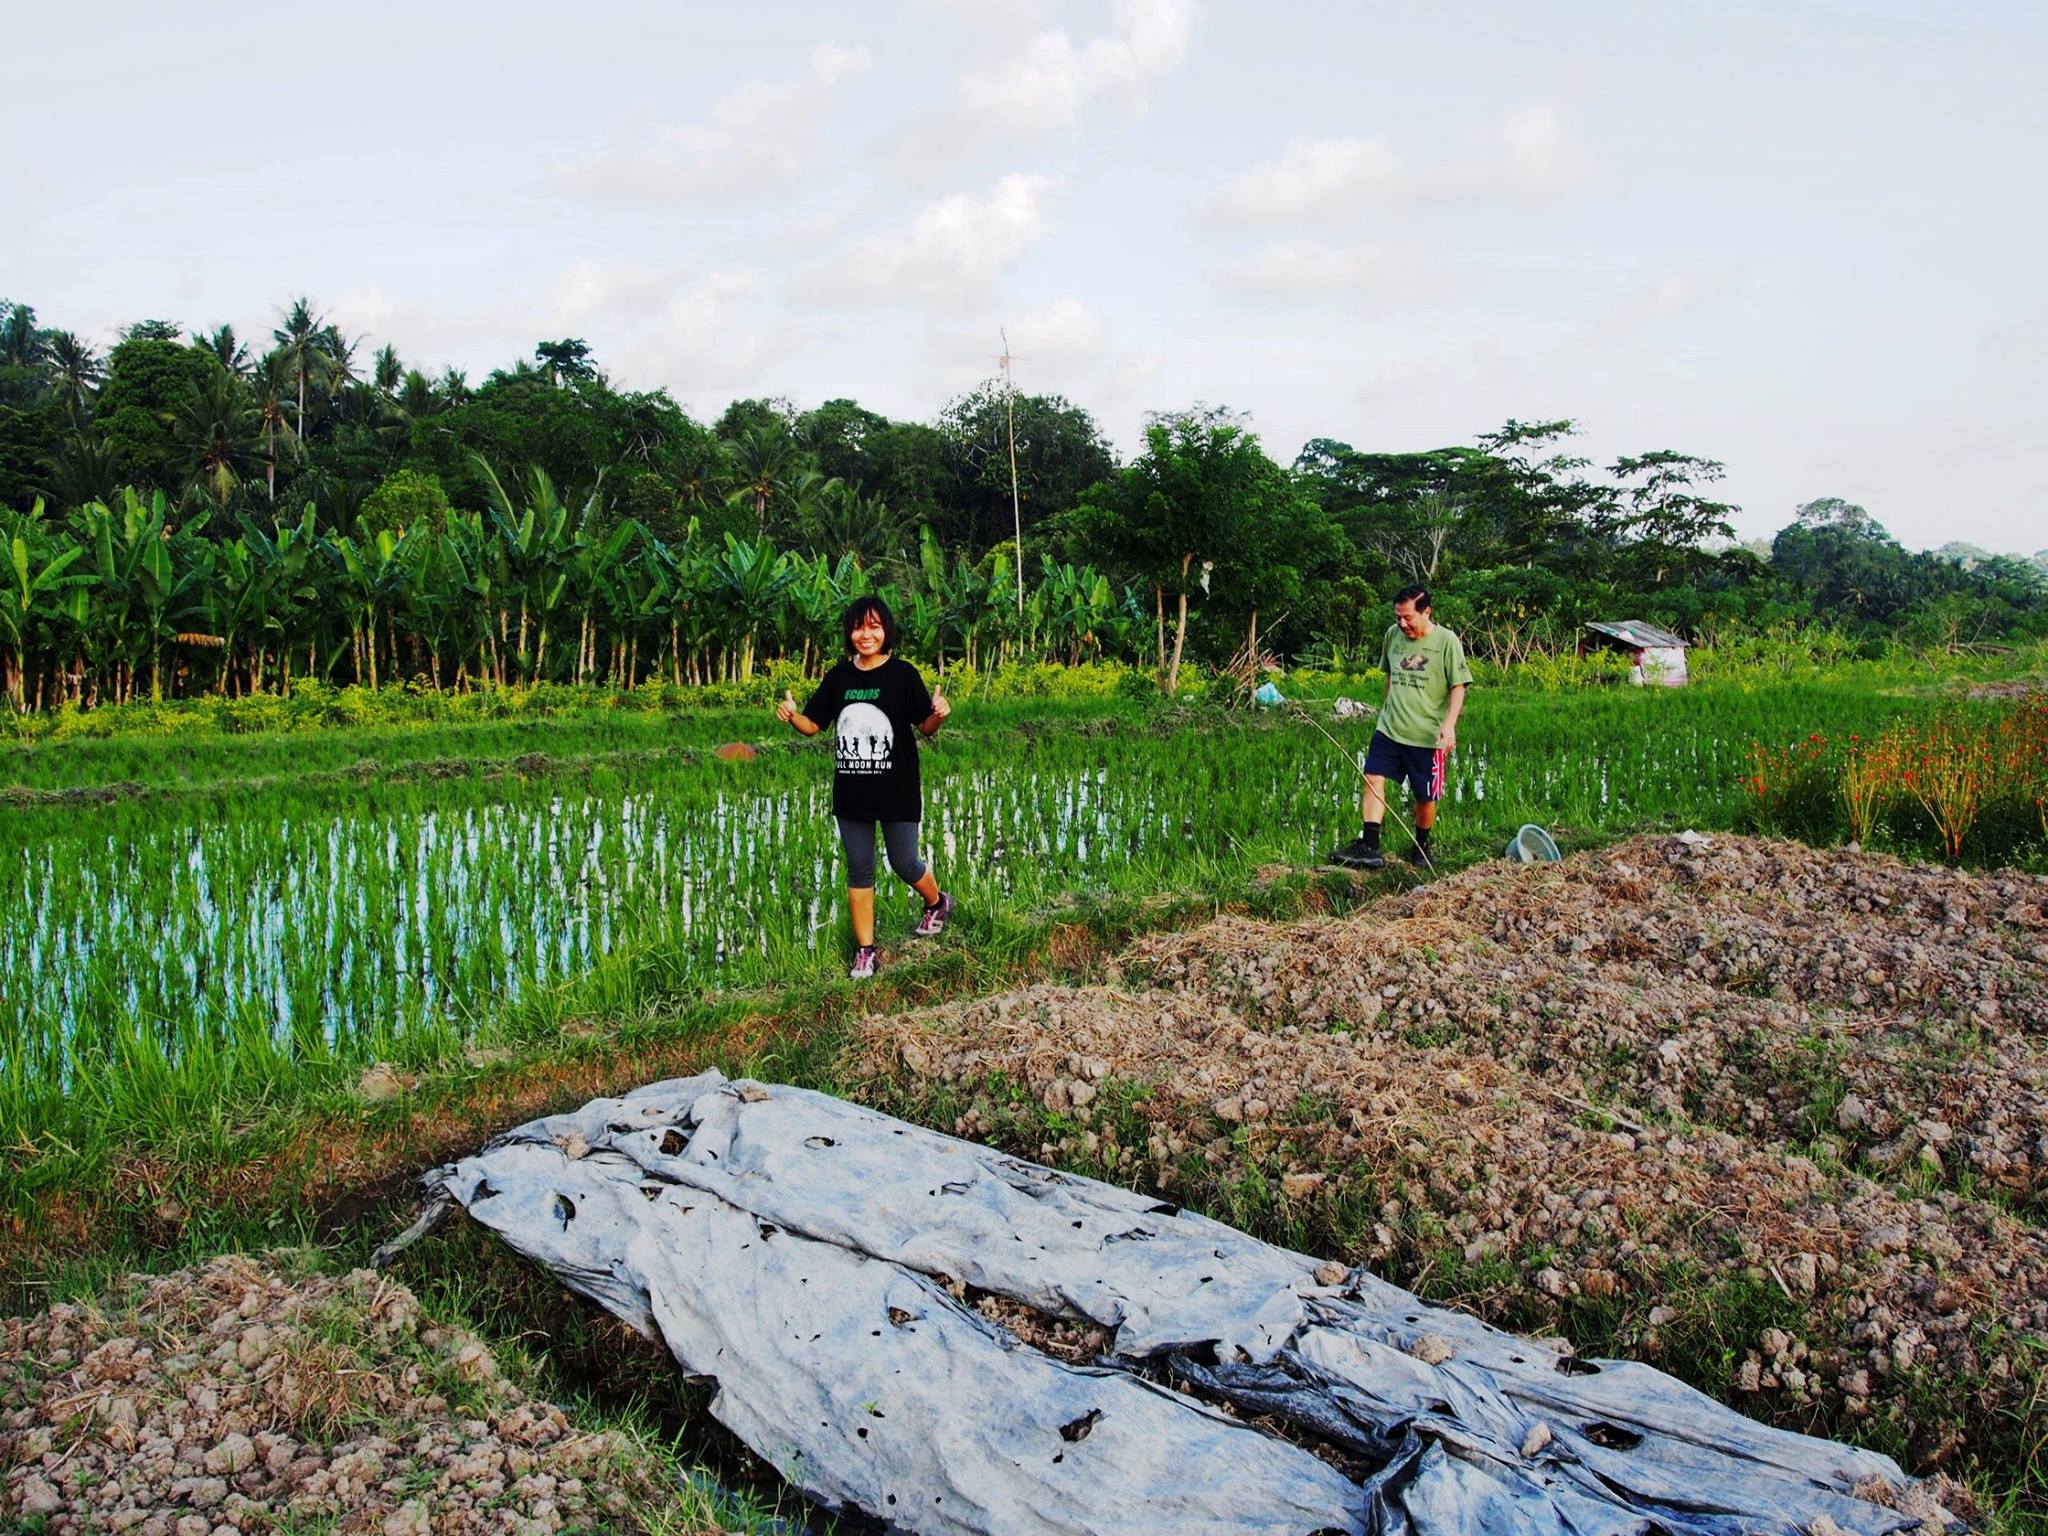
(231, 1398)
(1773, 1116)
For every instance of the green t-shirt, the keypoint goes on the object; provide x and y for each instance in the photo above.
(1420, 677)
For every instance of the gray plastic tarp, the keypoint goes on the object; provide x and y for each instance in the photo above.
(804, 1253)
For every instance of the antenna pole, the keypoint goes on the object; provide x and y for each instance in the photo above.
(1016, 501)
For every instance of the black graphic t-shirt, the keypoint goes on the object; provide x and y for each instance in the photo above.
(875, 716)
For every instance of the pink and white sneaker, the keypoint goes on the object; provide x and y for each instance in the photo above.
(934, 920)
(865, 963)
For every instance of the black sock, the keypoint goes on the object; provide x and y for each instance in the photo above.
(1422, 837)
(1371, 833)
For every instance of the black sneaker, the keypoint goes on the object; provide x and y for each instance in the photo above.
(1358, 854)
(1419, 855)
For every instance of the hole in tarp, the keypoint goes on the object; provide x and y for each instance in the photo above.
(1162, 1209)
(1612, 1436)
(862, 1431)
(672, 1142)
(768, 1231)
(483, 1191)
(1070, 1340)
(565, 1209)
(1135, 1235)
(819, 1142)
(1572, 1365)
(1059, 1458)
(1081, 1428)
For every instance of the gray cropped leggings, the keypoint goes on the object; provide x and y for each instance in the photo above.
(859, 840)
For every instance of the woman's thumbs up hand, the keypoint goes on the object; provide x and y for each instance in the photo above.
(786, 710)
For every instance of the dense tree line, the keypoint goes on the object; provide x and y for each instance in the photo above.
(191, 511)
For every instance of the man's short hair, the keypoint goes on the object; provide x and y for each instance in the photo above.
(1419, 596)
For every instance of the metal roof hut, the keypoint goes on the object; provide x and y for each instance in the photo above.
(1659, 654)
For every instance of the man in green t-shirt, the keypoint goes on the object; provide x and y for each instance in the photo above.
(1418, 725)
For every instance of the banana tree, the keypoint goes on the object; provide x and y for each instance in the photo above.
(749, 582)
(538, 546)
(488, 565)
(593, 574)
(948, 598)
(241, 591)
(432, 588)
(171, 576)
(111, 640)
(369, 576)
(30, 597)
(290, 554)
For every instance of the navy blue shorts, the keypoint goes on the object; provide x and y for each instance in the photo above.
(1421, 768)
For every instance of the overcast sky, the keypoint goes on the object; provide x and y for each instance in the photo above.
(1805, 237)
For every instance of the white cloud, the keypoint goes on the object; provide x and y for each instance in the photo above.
(1300, 269)
(442, 335)
(694, 330)
(1044, 86)
(1533, 155)
(1528, 154)
(1313, 181)
(759, 138)
(1066, 327)
(953, 251)
(590, 288)
(1667, 298)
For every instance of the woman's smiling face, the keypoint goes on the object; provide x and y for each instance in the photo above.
(867, 634)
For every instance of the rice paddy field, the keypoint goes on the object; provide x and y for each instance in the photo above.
(211, 938)
(207, 925)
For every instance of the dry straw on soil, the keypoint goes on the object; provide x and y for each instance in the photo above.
(231, 1399)
(1639, 1084)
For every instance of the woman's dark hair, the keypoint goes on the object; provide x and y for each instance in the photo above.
(859, 609)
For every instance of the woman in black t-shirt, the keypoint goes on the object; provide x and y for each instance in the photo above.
(875, 700)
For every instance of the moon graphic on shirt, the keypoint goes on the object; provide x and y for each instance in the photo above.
(865, 739)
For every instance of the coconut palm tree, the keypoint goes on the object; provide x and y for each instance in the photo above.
(764, 463)
(271, 390)
(21, 344)
(300, 340)
(221, 432)
(229, 350)
(78, 369)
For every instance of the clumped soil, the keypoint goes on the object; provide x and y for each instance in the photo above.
(235, 1398)
(1771, 1116)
